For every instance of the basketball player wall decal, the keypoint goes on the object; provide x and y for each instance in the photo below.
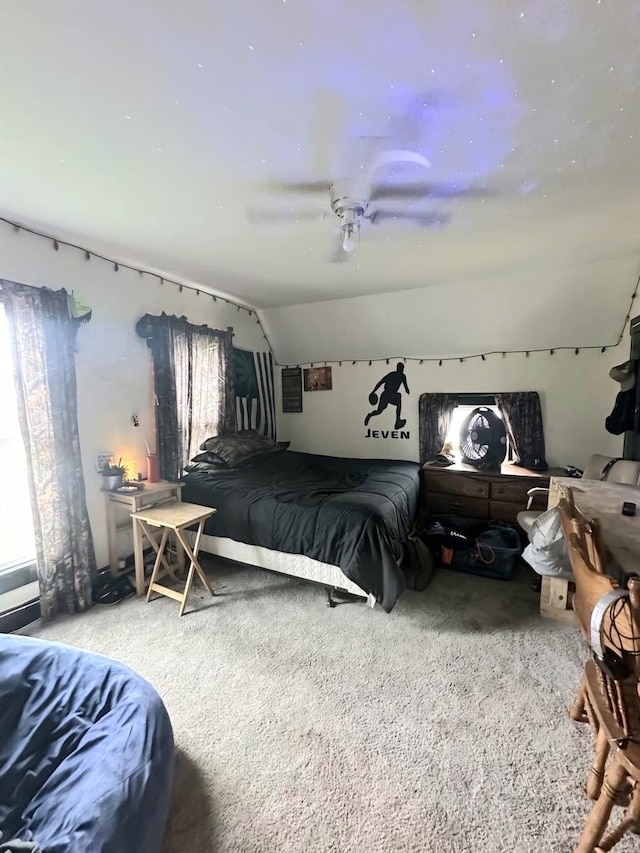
(392, 385)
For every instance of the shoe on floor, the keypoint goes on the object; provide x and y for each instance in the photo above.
(110, 590)
(124, 586)
(106, 594)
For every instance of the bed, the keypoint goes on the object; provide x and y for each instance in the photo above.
(339, 522)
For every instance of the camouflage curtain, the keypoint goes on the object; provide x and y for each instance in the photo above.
(522, 416)
(43, 336)
(193, 381)
(435, 412)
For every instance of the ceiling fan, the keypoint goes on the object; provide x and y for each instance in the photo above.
(360, 200)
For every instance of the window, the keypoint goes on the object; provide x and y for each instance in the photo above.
(17, 545)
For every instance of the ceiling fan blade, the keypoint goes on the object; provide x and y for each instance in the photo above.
(427, 190)
(275, 217)
(303, 187)
(428, 218)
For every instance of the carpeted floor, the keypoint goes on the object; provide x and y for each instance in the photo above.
(440, 727)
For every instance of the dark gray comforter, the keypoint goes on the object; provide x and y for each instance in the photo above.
(353, 513)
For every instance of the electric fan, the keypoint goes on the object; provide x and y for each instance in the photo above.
(483, 439)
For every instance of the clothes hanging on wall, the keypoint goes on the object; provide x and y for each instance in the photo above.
(622, 416)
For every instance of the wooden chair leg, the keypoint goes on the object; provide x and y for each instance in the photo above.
(630, 823)
(597, 772)
(613, 787)
(578, 711)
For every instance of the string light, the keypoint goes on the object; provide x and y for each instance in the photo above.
(88, 255)
(461, 359)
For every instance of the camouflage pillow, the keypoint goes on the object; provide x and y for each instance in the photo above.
(233, 448)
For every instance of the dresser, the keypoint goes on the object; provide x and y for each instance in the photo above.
(500, 495)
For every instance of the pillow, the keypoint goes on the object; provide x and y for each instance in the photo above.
(233, 448)
(248, 436)
(278, 447)
(211, 459)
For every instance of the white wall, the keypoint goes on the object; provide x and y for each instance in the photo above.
(581, 305)
(113, 364)
(576, 394)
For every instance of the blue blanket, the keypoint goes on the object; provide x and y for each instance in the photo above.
(86, 752)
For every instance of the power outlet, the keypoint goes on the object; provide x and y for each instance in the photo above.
(102, 459)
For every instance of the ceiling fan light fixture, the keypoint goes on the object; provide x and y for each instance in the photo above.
(350, 241)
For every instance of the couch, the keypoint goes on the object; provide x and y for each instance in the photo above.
(86, 753)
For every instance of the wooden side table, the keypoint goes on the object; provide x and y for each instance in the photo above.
(151, 495)
(174, 517)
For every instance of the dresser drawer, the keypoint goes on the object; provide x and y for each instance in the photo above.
(457, 505)
(513, 491)
(455, 484)
(499, 511)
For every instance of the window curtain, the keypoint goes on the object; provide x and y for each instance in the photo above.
(43, 328)
(435, 412)
(522, 416)
(193, 381)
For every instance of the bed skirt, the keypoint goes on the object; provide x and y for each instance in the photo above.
(295, 565)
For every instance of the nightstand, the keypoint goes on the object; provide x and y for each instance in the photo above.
(119, 508)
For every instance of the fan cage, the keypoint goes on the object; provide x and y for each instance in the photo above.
(483, 438)
(460, 413)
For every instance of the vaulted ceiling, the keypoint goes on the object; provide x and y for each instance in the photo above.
(166, 133)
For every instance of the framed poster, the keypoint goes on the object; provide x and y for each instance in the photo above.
(317, 379)
(291, 389)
